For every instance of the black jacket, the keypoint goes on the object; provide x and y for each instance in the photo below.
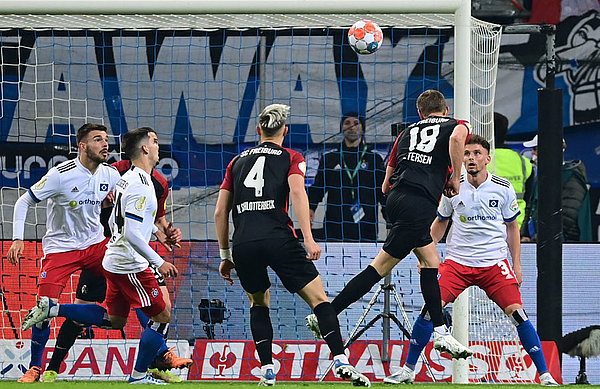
(334, 178)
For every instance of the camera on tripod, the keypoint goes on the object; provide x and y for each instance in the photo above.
(211, 312)
(397, 128)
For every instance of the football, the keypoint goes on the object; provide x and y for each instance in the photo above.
(365, 37)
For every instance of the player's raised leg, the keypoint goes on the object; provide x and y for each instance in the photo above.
(57, 268)
(91, 288)
(429, 259)
(314, 294)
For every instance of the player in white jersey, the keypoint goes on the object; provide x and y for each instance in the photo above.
(74, 237)
(484, 225)
(93, 288)
(130, 281)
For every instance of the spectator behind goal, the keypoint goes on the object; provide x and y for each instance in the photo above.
(511, 165)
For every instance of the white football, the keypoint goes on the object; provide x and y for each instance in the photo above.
(365, 37)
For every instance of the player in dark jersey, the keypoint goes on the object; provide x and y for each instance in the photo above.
(415, 178)
(256, 188)
(92, 288)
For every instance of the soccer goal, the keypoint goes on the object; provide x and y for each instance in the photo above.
(199, 73)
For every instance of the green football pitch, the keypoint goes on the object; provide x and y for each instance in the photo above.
(243, 385)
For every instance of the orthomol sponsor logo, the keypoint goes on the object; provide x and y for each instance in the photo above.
(465, 219)
(74, 203)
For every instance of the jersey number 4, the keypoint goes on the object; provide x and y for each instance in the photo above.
(255, 179)
(423, 139)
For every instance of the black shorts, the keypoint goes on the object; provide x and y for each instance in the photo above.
(91, 287)
(287, 259)
(411, 213)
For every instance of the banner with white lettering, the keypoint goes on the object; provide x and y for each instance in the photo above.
(96, 359)
(308, 361)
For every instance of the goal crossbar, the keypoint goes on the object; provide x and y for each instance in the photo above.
(131, 7)
(461, 9)
(218, 21)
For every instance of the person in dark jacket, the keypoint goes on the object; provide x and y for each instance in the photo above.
(576, 208)
(351, 176)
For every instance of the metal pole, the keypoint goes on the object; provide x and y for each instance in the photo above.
(385, 323)
(550, 31)
(549, 237)
(550, 159)
(549, 225)
(132, 7)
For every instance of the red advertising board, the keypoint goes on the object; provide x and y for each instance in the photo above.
(308, 360)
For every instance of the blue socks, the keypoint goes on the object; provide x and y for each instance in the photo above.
(421, 333)
(39, 338)
(91, 314)
(531, 342)
(144, 323)
(142, 318)
(150, 343)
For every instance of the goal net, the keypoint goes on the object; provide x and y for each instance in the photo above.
(496, 344)
(200, 81)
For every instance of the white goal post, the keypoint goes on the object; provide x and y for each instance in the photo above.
(474, 86)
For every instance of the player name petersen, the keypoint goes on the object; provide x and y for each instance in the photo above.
(418, 157)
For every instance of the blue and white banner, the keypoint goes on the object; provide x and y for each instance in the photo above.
(202, 90)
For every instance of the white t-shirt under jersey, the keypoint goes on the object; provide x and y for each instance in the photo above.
(74, 200)
(477, 236)
(132, 224)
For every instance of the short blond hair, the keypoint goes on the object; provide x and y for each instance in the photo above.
(273, 118)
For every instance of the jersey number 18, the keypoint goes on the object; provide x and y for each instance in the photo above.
(423, 139)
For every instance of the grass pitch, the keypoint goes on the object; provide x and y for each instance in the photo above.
(253, 385)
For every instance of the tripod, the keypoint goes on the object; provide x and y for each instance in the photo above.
(387, 287)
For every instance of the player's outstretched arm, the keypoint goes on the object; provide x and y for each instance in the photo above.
(19, 215)
(438, 229)
(15, 251)
(46, 187)
(457, 151)
(167, 269)
(300, 204)
(317, 190)
(386, 187)
(222, 210)
(167, 235)
(134, 236)
(513, 239)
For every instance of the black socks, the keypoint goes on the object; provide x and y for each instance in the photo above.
(360, 285)
(262, 332)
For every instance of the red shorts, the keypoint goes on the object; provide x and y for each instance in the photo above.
(132, 291)
(58, 267)
(498, 282)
